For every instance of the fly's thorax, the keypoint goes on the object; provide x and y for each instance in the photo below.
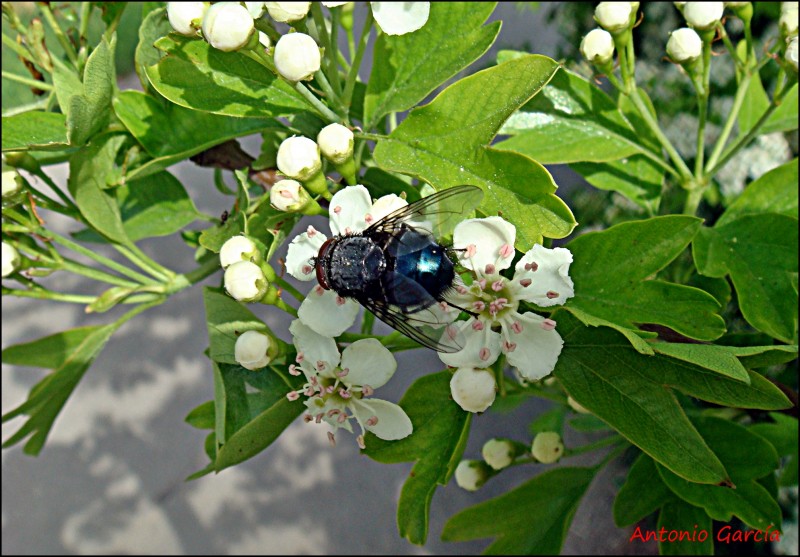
(349, 265)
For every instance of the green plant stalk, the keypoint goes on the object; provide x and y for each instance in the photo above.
(326, 113)
(143, 261)
(42, 294)
(702, 111)
(18, 49)
(280, 304)
(336, 55)
(367, 323)
(330, 48)
(69, 49)
(738, 102)
(599, 444)
(39, 173)
(330, 94)
(352, 75)
(33, 83)
(73, 266)
(294, 292)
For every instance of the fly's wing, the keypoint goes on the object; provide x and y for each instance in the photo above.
(437, 214)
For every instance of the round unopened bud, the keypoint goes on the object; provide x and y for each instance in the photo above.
(12, 181)
(472, 474)
(297, 57)
(228, 26)
(336, 143)
(10, 259)
(255, 9)
(498, 453)
(577, 406)
(791, 53)
(286, 12)
(614, 17)
(703, 15)
(473, 389)
(288, 196)
(598, 47)
(252, 350)
(788, 22)
(245, 281)
(186, 17)
(238, 248)
(298, 157)
(684, 45)
(547, 447)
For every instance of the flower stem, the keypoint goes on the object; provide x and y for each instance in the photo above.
(738, 102)
(68, 47)
(352, 75)
(295, 293)
(34, 83)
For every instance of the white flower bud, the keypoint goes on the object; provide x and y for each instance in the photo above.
(333, 4)
(598, 47)
(684, 45)
(298, 157)
(186, 17)
(255, 9)
(336, 143)
(12, 181)
(263, 39)
(245, 281)
(471, 474)
(791, 53)
(238, 248)
(614, 17)
(251, 350)
(297, 57)
(703, 15)
(10, 259)
(577, 406)
(286, 12)
(786, 6)
(228, 26)
(788, 22)
(498, 453)
(473, 389)
(288, 196)
(547, 447)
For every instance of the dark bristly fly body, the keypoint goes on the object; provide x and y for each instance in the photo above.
(397, 268)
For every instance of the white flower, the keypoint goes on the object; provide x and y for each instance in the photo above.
(337, 387)
(12, 181)
(252, 350)
(298, 157)
(288, 195)
(791, 53)
(286, 12)
(529, 341)
(333, 4)
(703, 15)
(788, 22)
(336, 143)
(186, 17)
(473, 389)
(245, 281)
(498, 453)
(472, 474)
(256, 9)
(228, 26)
(547, 447)
(351, 210)
(786, 6)
(614, 17)
(399, 18)
(238, 248)
(598, 46)
(10, 259)
(297, 57)
(684, 45)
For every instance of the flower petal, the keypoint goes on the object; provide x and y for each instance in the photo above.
(368, 362)
(385, 205)
(399, 18)
(474, 390)
(317, 406)
(313, 347)
(392, 421)
(482, 346)
(327, 313)
(303, 248)
(548, 272)
(531, 344)
(348, 208)
(486, 241)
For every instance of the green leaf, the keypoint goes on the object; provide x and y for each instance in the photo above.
(572, 120)
(154, 26)
(552, 420)
(612, 273)
(34, 130)
(642, 493)
(202, 417)
(759, 252)
(774, 192)
(193, 74)
(764, 356)
(446, 143)
(533, 519)
(226, 320)
(721, 359)
(782, 433)
(749, 500)
(190, 131)
(89, 169)
(413, 65)
(69, 353)
(630, 392)
(755, 104)
(440, 434)
(636, 177)
(682, 517)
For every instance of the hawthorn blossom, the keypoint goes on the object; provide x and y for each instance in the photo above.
(399, 18)
(337, 385)
(529, 341)
(351, 211)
